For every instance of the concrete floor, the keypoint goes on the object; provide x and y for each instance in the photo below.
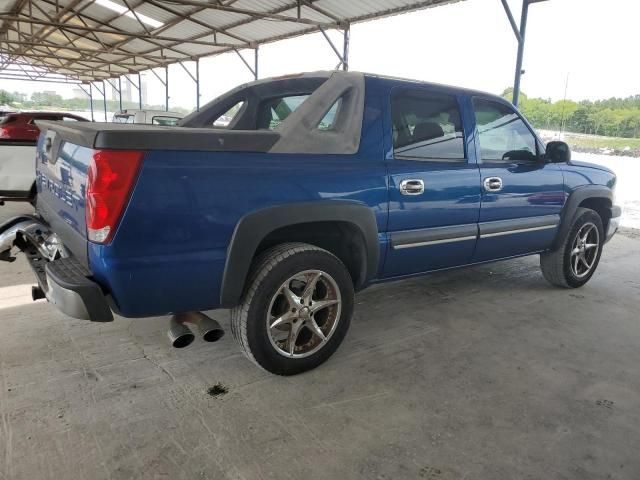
(483, 373)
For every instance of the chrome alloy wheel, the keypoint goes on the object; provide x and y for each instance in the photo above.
(304, 313)
(584, 251)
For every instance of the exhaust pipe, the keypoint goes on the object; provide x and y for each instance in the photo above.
(181, 336)
(210, 329)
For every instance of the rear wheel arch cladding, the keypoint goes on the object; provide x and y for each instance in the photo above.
(254, 227)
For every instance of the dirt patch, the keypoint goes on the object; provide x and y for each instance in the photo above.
(605, 403)
(630, 232)
(218, 390)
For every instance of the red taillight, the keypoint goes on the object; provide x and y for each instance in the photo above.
(110, 180)
(4, 132)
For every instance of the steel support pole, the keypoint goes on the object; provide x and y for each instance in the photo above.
(255, 64)
(91, 101)
(120, 92)
(523, 29)
(197, 84)
(166, 88)
(140, 90)
(345, 48)
(104, 99)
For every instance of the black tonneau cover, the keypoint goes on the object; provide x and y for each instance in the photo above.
(124, 136)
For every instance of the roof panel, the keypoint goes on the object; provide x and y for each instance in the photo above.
(114, 42)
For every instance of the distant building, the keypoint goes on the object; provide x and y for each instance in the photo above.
(145, 90)
(77, 92)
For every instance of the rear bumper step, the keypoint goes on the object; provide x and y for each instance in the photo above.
(62, 279)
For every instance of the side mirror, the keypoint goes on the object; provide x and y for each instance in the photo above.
(558, 152)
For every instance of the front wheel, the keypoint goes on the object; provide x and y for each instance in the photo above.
(575, 262)
(296, 309)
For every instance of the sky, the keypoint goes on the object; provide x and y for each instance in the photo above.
(593, 43)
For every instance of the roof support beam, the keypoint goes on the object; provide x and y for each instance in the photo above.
(196, 78)
(520, 34)
(254, 69)
(165, 83)
(90, 95)
(138, 87)
(82, 41)
(117, 89)
(45, 80)
(120, 33)
(254, 14)
(344, 55)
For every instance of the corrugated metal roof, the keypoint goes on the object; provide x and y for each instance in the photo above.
(90, 40)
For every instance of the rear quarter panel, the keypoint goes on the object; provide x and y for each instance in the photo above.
(168, 254)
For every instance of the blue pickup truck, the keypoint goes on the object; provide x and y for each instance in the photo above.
(283, 197)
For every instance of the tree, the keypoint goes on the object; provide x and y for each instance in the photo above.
(6, 98)
(508, 94)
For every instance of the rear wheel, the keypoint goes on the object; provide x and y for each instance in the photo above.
(575, 262)
(296, 309)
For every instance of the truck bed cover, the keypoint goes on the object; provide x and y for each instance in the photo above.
(156, 137)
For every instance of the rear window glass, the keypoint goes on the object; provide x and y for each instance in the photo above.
(45, 117)
(227, 117)
(7, 119)
(275, 110)
(162, 120)
(123, 118)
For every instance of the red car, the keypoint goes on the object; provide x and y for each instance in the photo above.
(21, 126)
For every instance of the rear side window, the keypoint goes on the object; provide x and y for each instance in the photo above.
(503, 136)
(227, 117)
(166, 121)
(123, 118)
(275, 110)
(329, 119)
(427, 126)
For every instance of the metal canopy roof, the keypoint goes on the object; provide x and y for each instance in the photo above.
(89, 40)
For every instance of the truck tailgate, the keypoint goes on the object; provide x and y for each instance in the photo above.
(61, 179)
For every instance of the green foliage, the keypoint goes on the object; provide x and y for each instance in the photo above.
(615, 117)
(53, 101)
(6, 98)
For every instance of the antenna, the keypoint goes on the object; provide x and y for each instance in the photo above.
(564, 100)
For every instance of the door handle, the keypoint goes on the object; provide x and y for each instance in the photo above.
(492, 184)
(412, 187)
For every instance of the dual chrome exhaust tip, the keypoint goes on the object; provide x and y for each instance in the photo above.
(181, 336)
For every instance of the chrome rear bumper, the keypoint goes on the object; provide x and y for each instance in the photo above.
(64, 281)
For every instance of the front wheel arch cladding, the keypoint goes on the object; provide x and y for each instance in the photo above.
(255, 226)
(571, 207)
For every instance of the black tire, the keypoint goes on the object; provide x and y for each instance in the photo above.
(557, 267)
(271, 270)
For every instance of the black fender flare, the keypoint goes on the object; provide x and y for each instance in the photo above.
(252, 228)
(571, 206)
